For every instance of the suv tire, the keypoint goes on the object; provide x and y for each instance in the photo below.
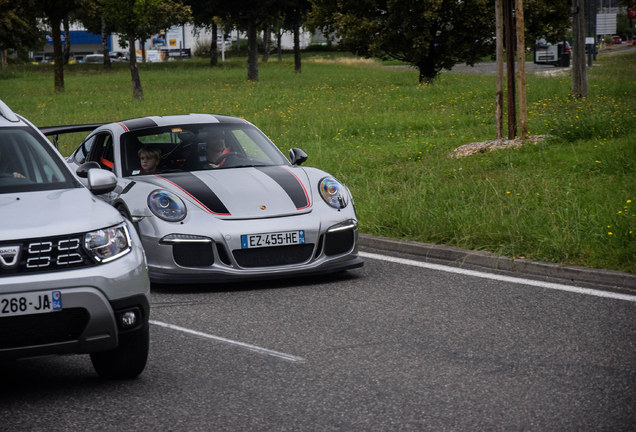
(128, 360)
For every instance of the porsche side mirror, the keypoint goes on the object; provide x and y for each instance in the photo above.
(101, 181)
(82, 170)
(297, 156)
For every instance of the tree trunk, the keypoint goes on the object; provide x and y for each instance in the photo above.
(426, 65)
(297, 67)
(214, 58)
(510, 64)
(579, 74)
(138, 92)
(252, 52)
(58, 56)
(67, 40)
(267, 41)
(499, 97)
(279, 37)
(427, 70)
(107, 65)
(142, 43)
(4, 59)
(521, 70)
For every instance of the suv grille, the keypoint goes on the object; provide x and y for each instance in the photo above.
(45, 255)
(41, 329)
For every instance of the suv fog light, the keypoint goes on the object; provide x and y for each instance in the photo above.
(128, 319)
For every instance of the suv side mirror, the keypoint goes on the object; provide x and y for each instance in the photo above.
(82, 170)
(297, 156)
(101, 181)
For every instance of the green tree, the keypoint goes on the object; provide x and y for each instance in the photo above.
(18, 28)
(138, 20)
(294, 14)
(53, 12)
(429, 34)
(624, 27)
(92, 17)
(549, 19)
(250, 15)
(207, 14)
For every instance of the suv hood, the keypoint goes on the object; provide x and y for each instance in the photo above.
(51, 213)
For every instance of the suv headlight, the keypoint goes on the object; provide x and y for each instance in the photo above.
(108, 244)
(166, 205)
(333, 193)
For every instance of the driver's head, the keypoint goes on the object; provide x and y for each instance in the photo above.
(216, 146)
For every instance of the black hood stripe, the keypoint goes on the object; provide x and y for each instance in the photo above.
(290, 184)
(198, 191)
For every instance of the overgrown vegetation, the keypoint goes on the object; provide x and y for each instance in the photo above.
(570, 199)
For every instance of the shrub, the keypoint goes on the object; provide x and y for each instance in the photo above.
(202, 48)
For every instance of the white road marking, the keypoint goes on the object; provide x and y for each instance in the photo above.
(231, 342)
(510, 279)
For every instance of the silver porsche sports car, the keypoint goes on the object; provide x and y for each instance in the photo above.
(214, 200)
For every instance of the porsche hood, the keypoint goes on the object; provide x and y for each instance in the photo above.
(246, 193)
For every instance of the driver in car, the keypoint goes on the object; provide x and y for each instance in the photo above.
(215, 151)
(5, 168)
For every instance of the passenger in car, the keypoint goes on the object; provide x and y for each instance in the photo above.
(5, 168)
(150, 156)
(216, 148)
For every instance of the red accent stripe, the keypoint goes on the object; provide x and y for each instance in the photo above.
(124, 126)
(106, 162)
(301, 185)
(188, 194)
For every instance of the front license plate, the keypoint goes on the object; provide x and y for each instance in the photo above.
(30, 303)
(249, 241)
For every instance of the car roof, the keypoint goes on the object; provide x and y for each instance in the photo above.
(174, 120)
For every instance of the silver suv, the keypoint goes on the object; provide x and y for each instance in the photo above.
(73, 276)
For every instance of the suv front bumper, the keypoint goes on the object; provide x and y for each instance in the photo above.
(92, 302)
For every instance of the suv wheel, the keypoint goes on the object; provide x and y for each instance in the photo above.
(128, 360)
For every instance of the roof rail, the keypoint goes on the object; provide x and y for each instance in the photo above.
(6, 112)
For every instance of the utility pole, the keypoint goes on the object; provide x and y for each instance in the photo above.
(579, 72)
(510, 65)
(499, 98)
(521, 69)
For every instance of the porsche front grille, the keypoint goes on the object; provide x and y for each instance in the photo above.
(273, 256)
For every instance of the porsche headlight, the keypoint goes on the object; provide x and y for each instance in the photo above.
(333, 192)
(108, 244)
(167, 205)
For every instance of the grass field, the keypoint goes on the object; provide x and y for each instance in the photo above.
(569, 199)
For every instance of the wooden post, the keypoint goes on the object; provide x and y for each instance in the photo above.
(521, 70)
(510, 65)
(499, 97)
(579, 72)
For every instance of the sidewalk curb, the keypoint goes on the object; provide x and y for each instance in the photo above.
(491, 261)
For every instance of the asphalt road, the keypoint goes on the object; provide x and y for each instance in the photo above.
(395, 345)
(490, 68)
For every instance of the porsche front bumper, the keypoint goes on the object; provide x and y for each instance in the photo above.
(202, 252)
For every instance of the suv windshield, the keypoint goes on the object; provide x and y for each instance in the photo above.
(197, 147)
(28, 163)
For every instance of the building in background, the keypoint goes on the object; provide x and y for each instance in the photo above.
(175, 42)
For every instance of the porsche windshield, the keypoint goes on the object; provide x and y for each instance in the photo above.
(28, 163)
(197, 147)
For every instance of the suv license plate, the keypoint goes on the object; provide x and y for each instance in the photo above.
(30, 303)
(249, 241)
